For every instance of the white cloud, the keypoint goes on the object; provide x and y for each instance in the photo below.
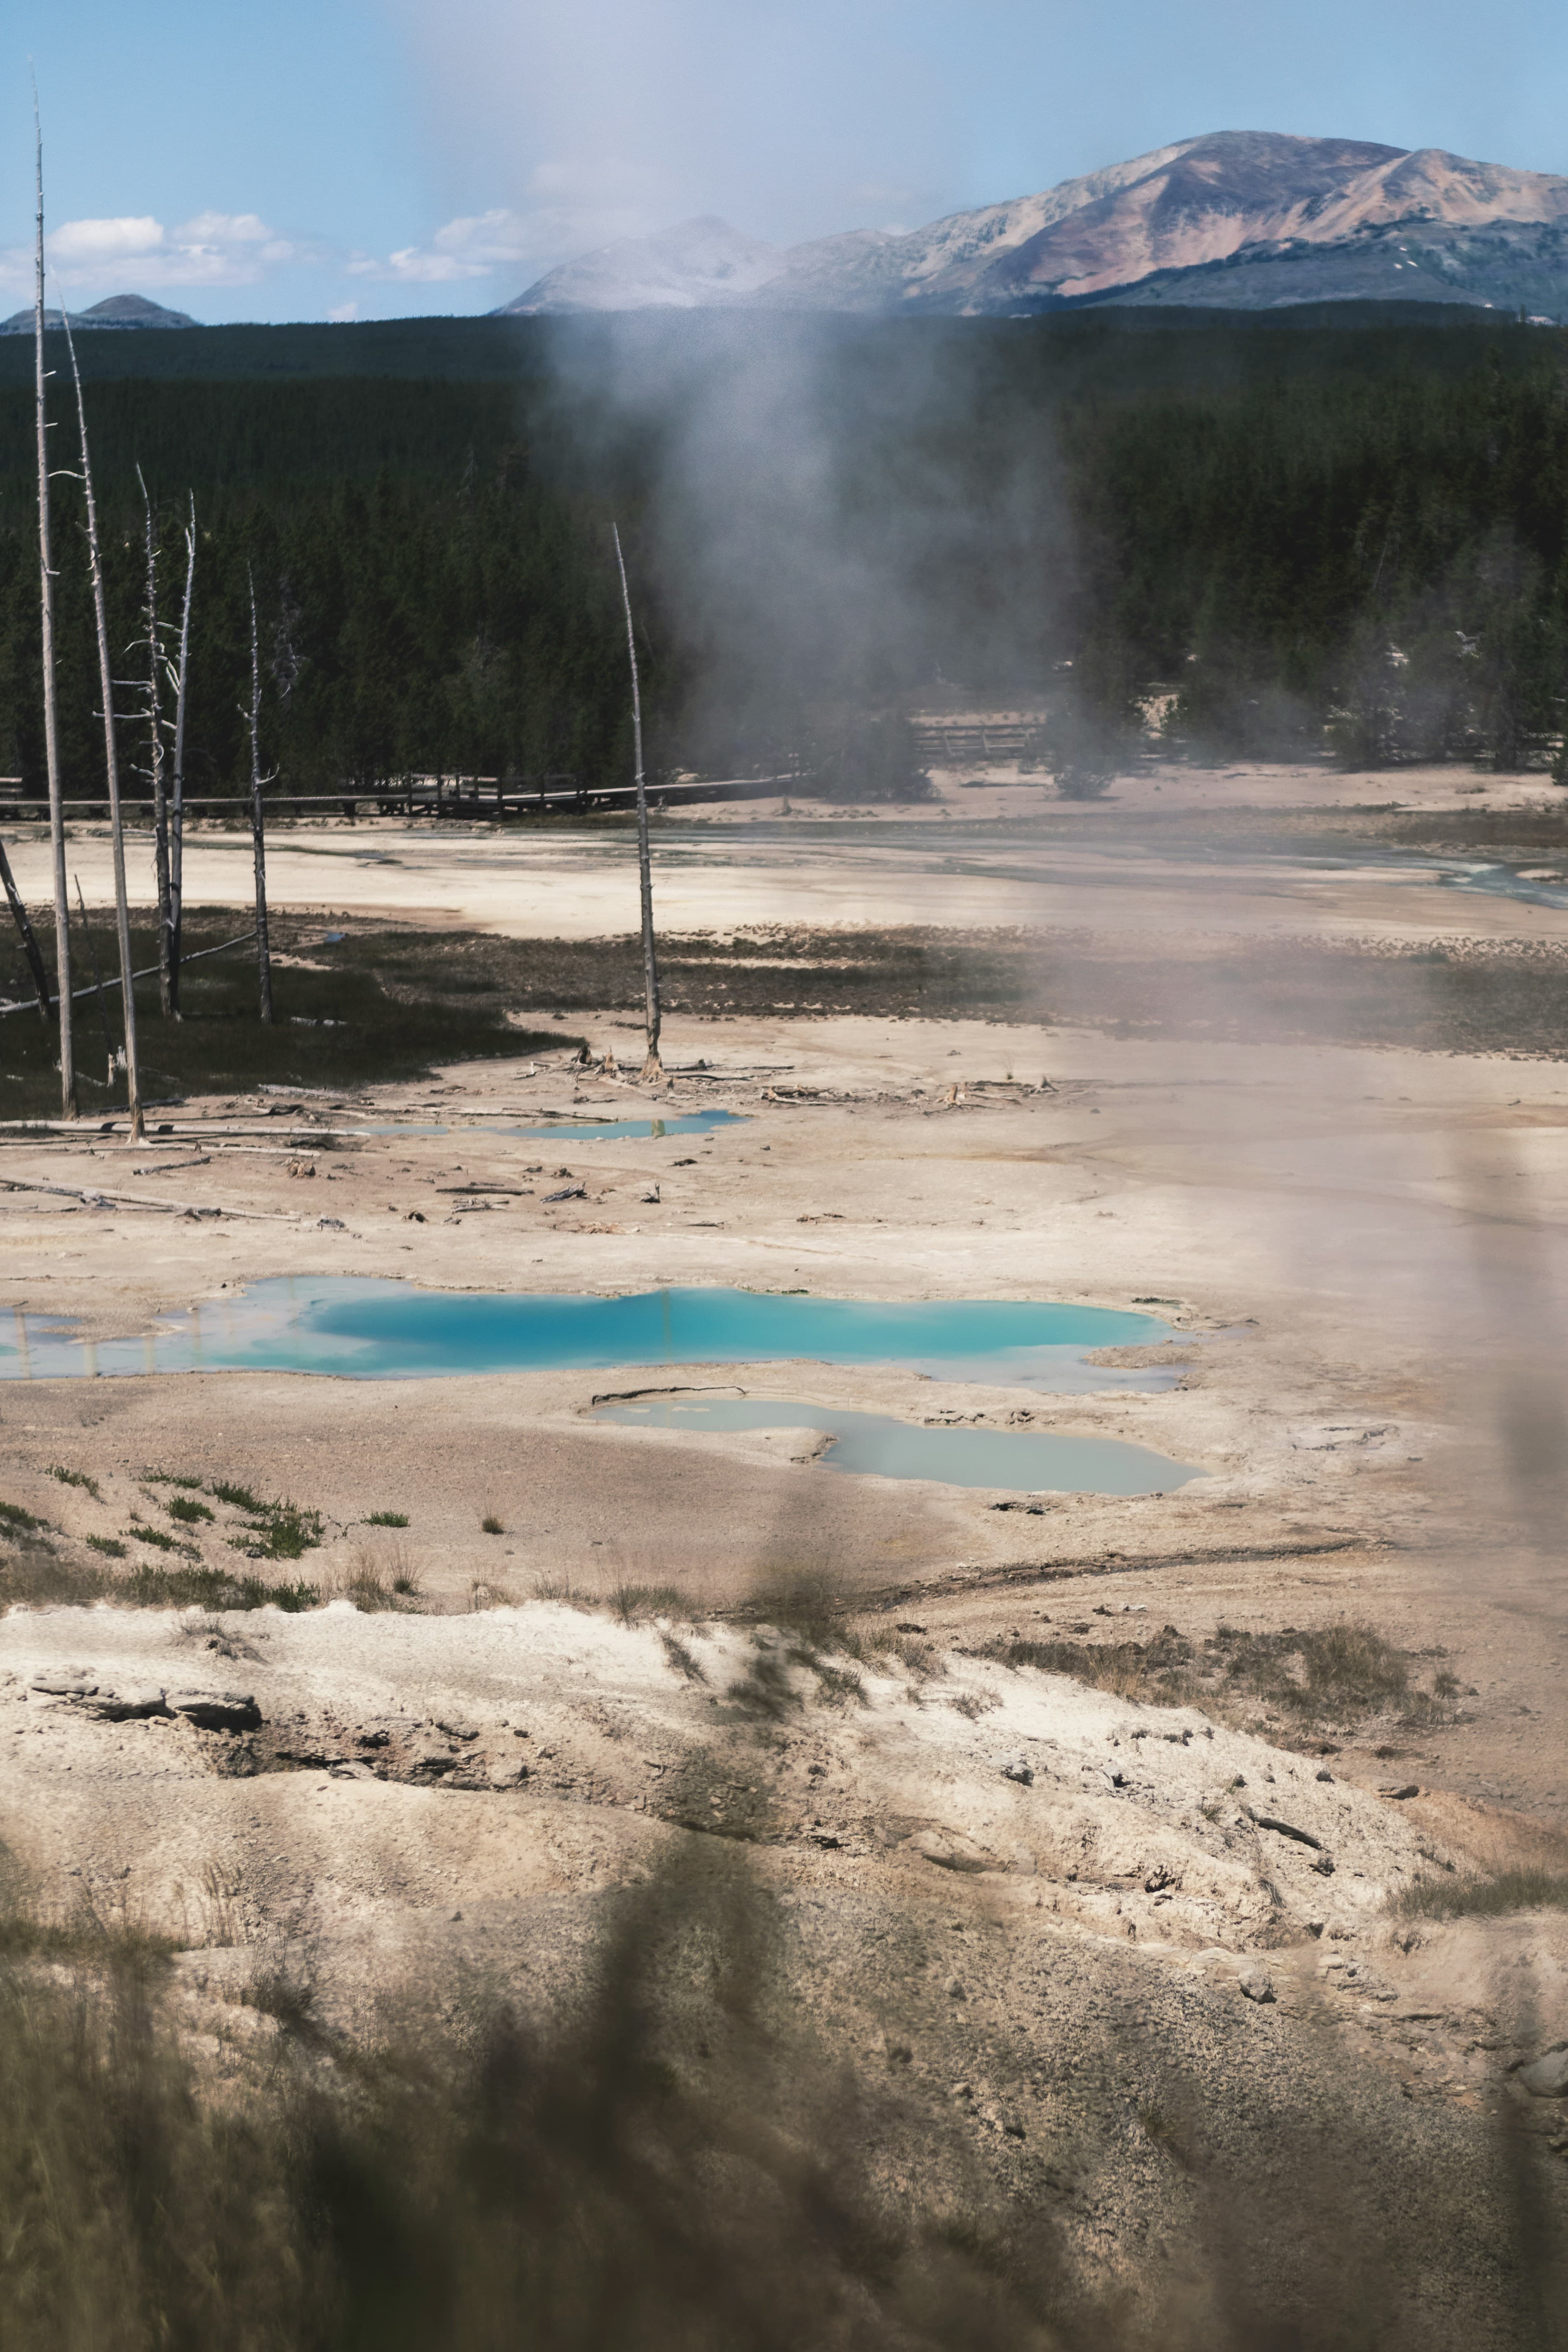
(135, 253)
(92, 243)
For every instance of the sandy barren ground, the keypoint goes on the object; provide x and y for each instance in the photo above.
(1361, 1253)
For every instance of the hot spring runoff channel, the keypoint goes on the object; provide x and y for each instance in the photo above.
(368, 1329)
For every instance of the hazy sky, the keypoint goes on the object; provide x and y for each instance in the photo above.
(377, 157)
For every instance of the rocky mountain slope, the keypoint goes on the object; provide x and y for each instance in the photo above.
(1239, 218)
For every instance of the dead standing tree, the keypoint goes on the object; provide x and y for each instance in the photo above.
(51, 705)
(177, 803)
(652, 1067)
(156, 773)
(257, 833)
(110, 762)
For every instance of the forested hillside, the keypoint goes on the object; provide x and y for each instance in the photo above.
(1314, 536)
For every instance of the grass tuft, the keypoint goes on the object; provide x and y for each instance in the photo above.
(556, 1588)
(188, 1511)
(387, 1519)
(160, 1541)
(630, 1603)
(76, 1478)
(1527, 1888)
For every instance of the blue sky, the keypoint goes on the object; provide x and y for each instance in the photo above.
(376, 158)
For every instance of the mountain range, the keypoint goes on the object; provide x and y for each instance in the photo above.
(120, 310)
(1237, 219)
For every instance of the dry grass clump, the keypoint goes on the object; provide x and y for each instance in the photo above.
(631, 1603)
(1316, 1677)
(377, 1581)
(1526, 1887)
(35, 1576)
(1510, 1864)
(484, 1592)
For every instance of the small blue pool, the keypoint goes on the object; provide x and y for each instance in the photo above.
(871, 1443)
(591, 1130)
(362, 1328)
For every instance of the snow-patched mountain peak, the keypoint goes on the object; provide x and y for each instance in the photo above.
(700, 263)
(1197, 204)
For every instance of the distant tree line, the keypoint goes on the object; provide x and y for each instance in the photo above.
(1347, 539)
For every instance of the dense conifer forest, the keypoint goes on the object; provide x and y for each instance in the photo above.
(1340, 534)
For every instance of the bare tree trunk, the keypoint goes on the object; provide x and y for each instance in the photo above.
(652, 1067)
(177, 812)
(98, 979)
(29, 943)
(155, 758)
(258, 832)
(51, 707)
(111, 765)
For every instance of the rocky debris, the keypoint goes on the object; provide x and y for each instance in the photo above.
(79, 1690)
(1255, 1984)
(216, 1710)
(950, 1850)
(137, 1701)
(1547, 2076)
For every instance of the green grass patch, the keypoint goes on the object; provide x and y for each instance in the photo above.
(76, 1478)
(169, 1478)
(12, 1515)
(109, 1545)
(212, 1589)
(239, 1498)
(160, 1541)
(188, 1511)
(387, 1519)
(283, 1531)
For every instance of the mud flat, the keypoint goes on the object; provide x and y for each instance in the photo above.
(1037, 1746)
